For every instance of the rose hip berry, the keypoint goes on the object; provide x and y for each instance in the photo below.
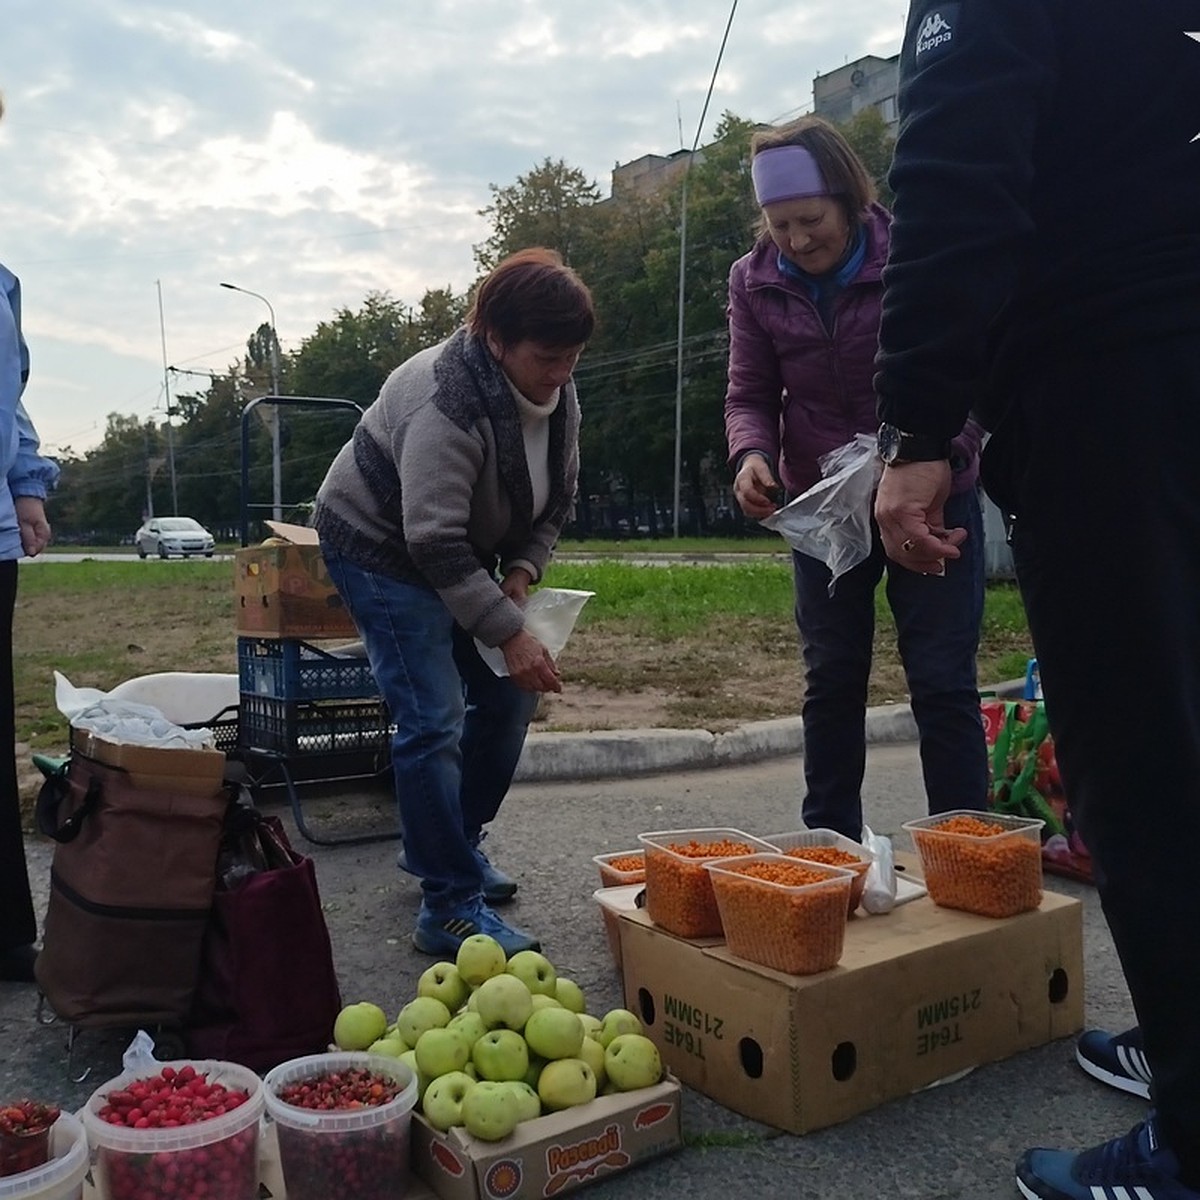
(25, 1135)
(174, 1099)
(369, 1163)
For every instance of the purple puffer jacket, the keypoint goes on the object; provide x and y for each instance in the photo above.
(796, 392)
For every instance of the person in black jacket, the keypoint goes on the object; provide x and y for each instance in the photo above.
(1045, 275)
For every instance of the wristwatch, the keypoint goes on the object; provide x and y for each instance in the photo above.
(897, 447)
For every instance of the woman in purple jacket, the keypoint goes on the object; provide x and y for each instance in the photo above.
(804, 309)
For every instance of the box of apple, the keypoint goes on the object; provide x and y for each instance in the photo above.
(496, 1041)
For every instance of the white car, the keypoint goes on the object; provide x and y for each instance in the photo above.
(165, 536)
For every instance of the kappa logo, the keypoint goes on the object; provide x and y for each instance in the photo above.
(936, 31)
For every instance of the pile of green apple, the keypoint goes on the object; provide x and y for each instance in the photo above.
(494, 1041)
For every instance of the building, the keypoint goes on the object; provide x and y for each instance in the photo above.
(868, 82)
(645, 176)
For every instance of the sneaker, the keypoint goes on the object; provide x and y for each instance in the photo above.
(497, 887)
(441, 933)
(1134, 1167)
(1116, 1059)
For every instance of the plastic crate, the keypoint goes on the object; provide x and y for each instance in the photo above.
(312, 727)
(291, 669)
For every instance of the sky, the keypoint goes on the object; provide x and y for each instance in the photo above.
(313, 152)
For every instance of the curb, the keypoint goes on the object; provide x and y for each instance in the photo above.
(607, 754)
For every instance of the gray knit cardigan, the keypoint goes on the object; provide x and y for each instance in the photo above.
(433, 488)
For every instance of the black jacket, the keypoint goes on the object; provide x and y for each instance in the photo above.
(1047, 188)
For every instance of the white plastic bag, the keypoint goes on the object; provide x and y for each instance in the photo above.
(123, 721)
(879, 892)
(550, 615)
(832, 520)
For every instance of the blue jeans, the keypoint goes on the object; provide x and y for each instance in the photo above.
(460, 727)
(937, 624)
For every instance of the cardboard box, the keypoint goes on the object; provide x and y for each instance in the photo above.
(284, 590)
(156, 768)
(553, 1154)
(920, 993)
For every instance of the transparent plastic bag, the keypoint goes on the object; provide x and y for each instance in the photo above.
(550, 615)
(832, 520)
(879, 892)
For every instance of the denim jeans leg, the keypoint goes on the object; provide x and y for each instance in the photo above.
(937, 627)
(497, 720)
(836, 634)
(409, 637)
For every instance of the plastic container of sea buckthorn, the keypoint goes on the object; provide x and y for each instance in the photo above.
(830, 847)
(321, 1150)
(216, 1157)
(61, 1176)
(621, 868)
(980, 862)
(679, 893)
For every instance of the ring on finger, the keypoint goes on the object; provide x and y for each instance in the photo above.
(907, 545)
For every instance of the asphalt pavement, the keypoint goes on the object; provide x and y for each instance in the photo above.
(581, 795)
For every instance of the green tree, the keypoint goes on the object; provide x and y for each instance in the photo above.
(868, 134)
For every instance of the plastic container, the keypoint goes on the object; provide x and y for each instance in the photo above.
(320, 1150)
(994, 875)
(221, 1153)
(798, 928)
(291, 669)
(312, 727)
(613, 876)
(679, 893)
(60, 1178)
(614, 901)
(796, 843)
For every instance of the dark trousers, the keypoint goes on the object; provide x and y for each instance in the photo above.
(937, 625)
(1099, 464)
(18, 925)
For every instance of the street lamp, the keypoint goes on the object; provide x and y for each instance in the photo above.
(277, 498)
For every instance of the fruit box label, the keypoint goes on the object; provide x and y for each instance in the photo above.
(946, 1021)
(687, 1027)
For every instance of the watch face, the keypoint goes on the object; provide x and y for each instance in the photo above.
(889, 441)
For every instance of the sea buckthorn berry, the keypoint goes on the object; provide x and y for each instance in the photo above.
(969, 866)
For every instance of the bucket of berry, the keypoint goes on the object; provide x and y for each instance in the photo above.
(57, 1169)
(343, 1124)
(184, 1129)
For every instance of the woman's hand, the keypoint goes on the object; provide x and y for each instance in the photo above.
(755, 488)
(31, 519)
(529, 664)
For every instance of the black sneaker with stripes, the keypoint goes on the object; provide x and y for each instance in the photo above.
(1116, 1059)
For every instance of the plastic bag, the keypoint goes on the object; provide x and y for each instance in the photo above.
(832, 520)
(879, 892)
(124, 721)
(550, 615)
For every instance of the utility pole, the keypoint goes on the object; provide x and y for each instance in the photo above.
(162, 328)
(271, 409)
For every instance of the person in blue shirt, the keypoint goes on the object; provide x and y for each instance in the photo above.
(25, 479)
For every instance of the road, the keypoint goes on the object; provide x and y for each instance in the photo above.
(956, 1142)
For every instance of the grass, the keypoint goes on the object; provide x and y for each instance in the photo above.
(697, 646)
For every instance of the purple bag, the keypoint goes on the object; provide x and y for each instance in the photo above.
(267, 991)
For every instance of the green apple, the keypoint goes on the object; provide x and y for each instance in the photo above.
(536, 1063)
(470, 1025)
(632, 1061)
(490, 1111)
(389, 1047)
(534, 970)
(592, 1053)
(591, 1025)
(569, 994)
(554, 1033)
(441, 1050)
(443, 1099)
(527, 1100)
(565, 1083)
(617, 1021)
(541, 1001)
(409, 1059)
(479, 958)
(419, 1015)
(443, 982)
(469, 1069)
(503, 1002)
(501, 1054)
(358, 1025)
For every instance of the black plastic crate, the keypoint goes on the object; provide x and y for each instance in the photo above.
(312, 727)
(291, 669)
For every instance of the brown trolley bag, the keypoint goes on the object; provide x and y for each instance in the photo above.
(131, 887)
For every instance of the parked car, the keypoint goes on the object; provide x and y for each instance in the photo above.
(165, 536)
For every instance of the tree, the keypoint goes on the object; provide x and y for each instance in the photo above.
(868, 134)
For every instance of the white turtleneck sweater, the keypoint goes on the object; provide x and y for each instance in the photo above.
(535, 426)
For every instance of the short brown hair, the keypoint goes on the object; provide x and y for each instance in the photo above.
(844, 173)
(533, 295)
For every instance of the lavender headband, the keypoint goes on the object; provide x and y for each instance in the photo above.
(786, 173)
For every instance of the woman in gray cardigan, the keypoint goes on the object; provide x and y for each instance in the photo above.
(435, 519)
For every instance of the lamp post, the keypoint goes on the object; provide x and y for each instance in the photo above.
(277, 498)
